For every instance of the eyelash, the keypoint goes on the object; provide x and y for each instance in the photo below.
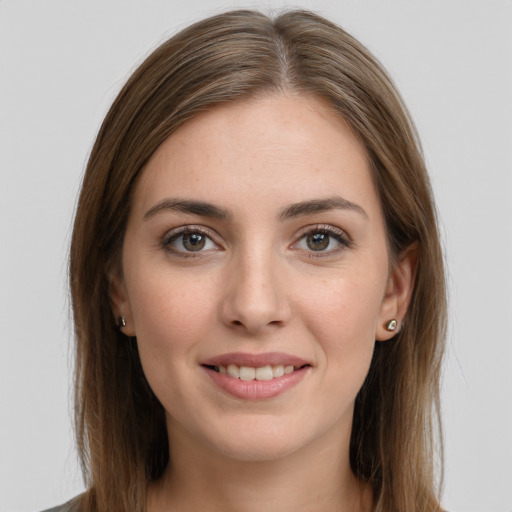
(333, 233)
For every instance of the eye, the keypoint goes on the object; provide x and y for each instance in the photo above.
(324, 239)
(189, 240)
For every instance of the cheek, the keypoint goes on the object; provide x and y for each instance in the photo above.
(348, 306)
(170, 305)
(342, 315)
(171, 316)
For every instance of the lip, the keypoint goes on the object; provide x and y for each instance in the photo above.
(256, 389)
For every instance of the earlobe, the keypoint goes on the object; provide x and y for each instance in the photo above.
(122, 315)
(398, 294)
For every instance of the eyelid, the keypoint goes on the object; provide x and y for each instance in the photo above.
(329, 228)
(323, 227)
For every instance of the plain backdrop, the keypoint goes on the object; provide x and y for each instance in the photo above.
(62, 63)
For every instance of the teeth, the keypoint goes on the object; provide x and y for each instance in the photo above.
(264, 373)
(247, 373)
(233, 371)
(278, 371)
(261, 373)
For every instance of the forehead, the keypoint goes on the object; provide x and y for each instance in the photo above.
(285, 148)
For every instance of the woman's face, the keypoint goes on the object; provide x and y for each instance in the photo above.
(256, 276)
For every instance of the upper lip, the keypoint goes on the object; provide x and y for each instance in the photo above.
(255, 360)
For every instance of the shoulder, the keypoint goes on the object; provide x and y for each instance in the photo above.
(70, 506)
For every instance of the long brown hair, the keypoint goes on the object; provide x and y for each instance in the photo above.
(120, 425)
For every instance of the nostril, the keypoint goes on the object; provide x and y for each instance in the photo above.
(237, 322)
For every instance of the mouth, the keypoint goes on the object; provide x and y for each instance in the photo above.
(256, 376)
(261, 373)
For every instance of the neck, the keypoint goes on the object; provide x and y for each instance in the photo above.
(316, 478)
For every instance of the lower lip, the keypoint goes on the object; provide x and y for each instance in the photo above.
(257, 389)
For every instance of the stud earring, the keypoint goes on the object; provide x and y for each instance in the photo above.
(391, 325)
(121, 322)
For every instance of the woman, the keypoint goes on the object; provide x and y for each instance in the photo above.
(257, 281)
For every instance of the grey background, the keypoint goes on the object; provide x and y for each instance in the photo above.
(61, 65)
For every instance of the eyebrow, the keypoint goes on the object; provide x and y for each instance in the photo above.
(189, 206)
(294, 210)
(318, 206)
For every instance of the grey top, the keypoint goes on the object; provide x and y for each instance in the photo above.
(70, 506)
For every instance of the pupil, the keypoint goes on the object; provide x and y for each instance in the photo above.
(318, 241)
(193, 241)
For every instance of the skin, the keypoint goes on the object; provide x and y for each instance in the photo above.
(257, 287)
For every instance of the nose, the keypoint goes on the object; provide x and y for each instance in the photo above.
(255, 298)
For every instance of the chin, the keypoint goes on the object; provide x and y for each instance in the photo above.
(260, 442)
(252, 451)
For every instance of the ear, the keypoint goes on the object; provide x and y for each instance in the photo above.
(398, 292)
(120, 302)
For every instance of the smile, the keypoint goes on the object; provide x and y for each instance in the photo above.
(267, 372)
(256, 376)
